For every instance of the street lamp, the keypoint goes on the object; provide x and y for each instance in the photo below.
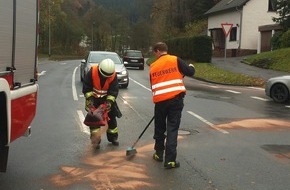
(49, 29)
(115, 42)
(93, 36)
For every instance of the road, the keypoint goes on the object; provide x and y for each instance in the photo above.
(231, 138)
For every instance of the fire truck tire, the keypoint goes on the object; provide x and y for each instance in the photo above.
(4, 149)
(3, 120)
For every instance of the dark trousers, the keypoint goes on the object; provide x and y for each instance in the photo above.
(167, 120)
(112, 124)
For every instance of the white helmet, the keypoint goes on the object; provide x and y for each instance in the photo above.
(107, 67)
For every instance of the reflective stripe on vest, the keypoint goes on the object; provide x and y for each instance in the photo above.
(166, 80)
(157, 91)
(99, 91)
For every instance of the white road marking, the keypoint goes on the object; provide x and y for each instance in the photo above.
(125, 102)
(214, 86)
(140, 84)
(83, 127)
(130, 97)
(259, 98)
(287, 106)
(256, 88)
(74, 91)
(232, 91)
(62, 63)
(207, 122)
(42, 73)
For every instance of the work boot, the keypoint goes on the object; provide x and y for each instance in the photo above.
(96, 141)
(170, 165)
(96, 138)
(112, 136)
(98, 146)
(115, 142)
(158, 156)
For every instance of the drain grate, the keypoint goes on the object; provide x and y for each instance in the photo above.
(187, 132)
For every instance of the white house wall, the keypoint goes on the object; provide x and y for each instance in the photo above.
(255, 14)
(230, 18)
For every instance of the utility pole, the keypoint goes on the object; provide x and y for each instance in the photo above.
(93, 36)
(49, 29)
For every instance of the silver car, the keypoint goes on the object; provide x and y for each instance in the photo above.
(278, 88)
(95, 57)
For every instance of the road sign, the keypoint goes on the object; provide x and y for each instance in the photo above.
(227, 28)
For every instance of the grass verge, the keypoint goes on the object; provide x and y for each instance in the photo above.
(278, 60)
(208, 72)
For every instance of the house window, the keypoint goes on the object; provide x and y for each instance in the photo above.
(272, 5)
(233, 34)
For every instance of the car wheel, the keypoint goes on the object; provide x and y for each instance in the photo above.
(279, 93)
(141, 67)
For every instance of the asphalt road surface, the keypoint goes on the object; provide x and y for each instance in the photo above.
(231, 138)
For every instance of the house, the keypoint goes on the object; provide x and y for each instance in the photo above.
(248, 23)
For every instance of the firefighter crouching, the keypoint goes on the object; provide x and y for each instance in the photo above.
(101, 88)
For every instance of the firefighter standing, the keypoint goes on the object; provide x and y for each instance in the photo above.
(101, 86)
(166, 77)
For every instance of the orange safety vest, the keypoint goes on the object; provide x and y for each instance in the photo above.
(166, 80)
(98, 90)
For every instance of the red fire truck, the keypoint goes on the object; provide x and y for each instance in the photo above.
(18, 71)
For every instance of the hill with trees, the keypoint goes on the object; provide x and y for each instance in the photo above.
(116, 24)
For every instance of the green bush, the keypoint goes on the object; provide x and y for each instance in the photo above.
(285, 39)
(276, 41)
(202, 51)
(197, 48)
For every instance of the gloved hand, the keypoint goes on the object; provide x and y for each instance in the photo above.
(109, 104)
(89, 103)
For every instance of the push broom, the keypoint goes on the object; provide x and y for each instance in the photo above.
(131, 151)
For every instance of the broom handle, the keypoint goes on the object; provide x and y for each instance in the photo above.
(143, 131)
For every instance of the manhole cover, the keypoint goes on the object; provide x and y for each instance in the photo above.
(183, 132)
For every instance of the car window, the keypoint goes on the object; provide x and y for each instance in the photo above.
(134, 54)
(94, 58)
(98, 57)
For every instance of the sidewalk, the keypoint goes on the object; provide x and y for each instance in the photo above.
(234, 64)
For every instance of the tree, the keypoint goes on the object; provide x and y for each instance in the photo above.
(140, 36)
(117, 24)
(59, 30)
(283, 9)
(171, 18)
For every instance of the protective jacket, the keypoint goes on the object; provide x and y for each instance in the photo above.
(99, 90)
(97, 82)
(166, 80)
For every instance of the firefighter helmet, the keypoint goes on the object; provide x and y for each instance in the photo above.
(107, 67)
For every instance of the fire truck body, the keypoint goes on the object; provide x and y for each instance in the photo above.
(18, 67)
